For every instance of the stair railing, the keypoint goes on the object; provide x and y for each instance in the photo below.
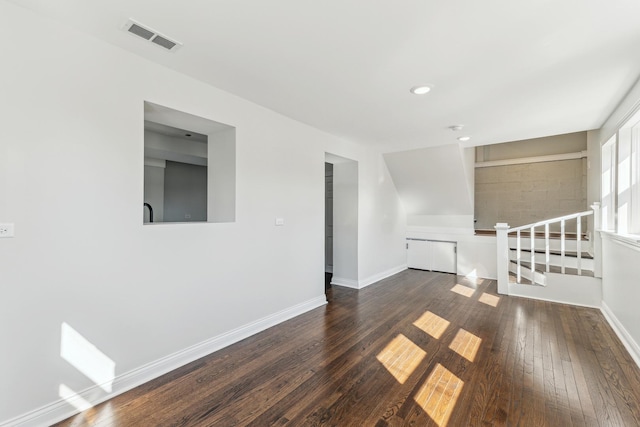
(503, 247)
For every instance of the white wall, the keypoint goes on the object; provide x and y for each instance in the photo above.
(381, 222)
(345, 224)
(81, 254)
(620, 291)
(620, 276)
(433, 181)
(221, 202)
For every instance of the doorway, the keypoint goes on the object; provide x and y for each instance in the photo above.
(341, 221)
(328, 225)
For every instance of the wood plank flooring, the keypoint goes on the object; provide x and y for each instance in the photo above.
(420, 349)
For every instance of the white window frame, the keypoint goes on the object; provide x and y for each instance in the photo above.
(608, 186)
(620, 180)
(634, 218)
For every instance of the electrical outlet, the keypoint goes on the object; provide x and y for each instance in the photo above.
(6, 230)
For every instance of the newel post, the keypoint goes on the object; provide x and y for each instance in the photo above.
(597, 241)
(502, 246)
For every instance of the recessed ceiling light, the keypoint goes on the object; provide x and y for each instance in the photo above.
(464, 138)
(456, 128)
(420, 90)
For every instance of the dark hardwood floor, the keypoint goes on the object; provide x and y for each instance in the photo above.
(419, 348)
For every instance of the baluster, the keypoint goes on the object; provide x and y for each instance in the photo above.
(533, 254)
(562, 237)
(546, 246)
(518, 271)
(579, 244)
(596, 241)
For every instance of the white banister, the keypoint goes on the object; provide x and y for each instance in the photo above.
(502, 246)
(579, 243)
(562, 244)
(518, 256)
(547, 255)
(552, 220)
(532, 238)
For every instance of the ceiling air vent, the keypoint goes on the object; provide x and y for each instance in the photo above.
(151, 35)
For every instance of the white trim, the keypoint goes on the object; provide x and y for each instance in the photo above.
(627, 340)
(413, 231)
(60, 409)
(517, 295)
(158, 163)
(629, 241)
(536, 159)
(359, 284)
(347, 283)
(380, 276)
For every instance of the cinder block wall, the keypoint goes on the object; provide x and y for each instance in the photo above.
(524, 193)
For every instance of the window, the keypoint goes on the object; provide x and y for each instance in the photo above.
(608, 185)
(634, 219)
(620, 179)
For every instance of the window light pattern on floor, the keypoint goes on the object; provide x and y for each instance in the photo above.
(439, 394)
(401, 357)
(432, 324)
(489, 299)
(463, 290)
(466, 344)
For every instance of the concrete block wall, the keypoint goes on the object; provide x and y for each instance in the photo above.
(525, 193)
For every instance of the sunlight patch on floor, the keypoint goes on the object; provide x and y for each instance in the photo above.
(432, 324)
(439, 394)
(463, 290)
(466, 344)
(401, 357)
(489, 299)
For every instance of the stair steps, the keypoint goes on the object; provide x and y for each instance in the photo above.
(537, 275)
(520, 275)
(555, 259)
(541, 268)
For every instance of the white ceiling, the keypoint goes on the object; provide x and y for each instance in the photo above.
(507, 69)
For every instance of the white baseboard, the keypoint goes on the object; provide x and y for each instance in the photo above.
(359, 284)
(627, 340)
(380, 276)
(60, 409)
(347, 283)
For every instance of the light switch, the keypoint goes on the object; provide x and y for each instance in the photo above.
(6, 230)
(279, 221)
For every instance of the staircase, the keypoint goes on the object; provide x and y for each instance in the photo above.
(554, 261)
(559, 266)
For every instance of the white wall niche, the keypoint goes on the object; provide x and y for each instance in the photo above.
(189, 167)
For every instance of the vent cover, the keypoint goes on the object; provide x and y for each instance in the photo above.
(151, 35)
